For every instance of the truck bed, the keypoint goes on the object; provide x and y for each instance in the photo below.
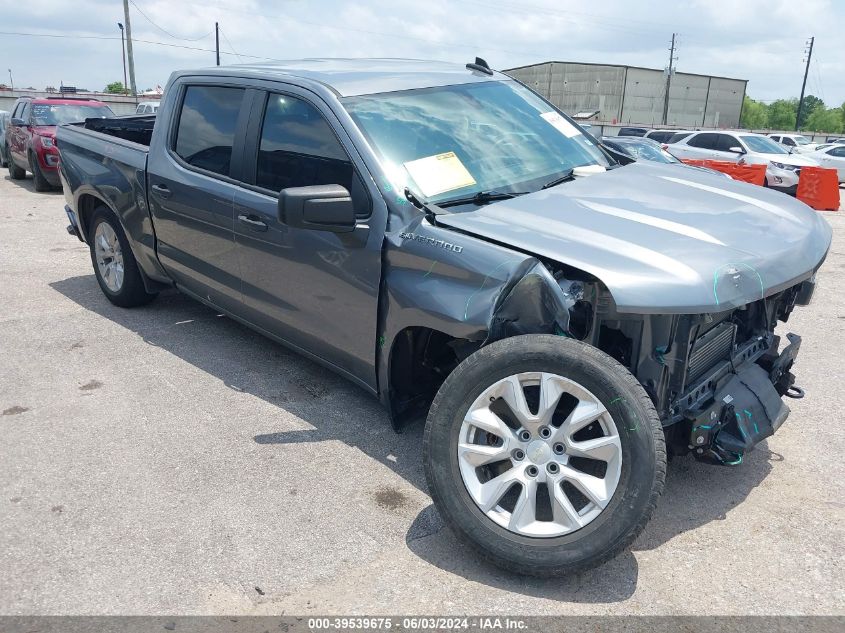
(138, 129)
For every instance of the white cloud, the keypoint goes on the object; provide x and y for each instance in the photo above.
(758, 40)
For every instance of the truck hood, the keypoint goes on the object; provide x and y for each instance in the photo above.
(663, 240)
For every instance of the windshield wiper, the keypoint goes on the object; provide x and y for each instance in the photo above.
(564, 177)
(482, 197)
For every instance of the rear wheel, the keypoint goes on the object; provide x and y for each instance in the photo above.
(544, 454)
(114, 264)
(15, 172)
(41, 183)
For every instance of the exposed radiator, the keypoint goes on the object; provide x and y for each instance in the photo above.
(710, 348)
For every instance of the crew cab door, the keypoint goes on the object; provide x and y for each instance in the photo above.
(192, 175)
(315, 289)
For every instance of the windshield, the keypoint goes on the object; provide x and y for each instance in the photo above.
(649, 151)
(801, 140)
(454, 141)
(59, 113)
(763, 145)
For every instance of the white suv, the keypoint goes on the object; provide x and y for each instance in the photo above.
(795, 142)
(744, 147)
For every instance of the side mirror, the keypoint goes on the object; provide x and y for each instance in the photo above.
(18, 122)
(318, 207)
(736, 149)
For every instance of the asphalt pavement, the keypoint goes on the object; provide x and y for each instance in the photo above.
(168, 460)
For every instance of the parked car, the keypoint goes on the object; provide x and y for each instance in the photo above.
(32, 130)
(147, 107)
(795, 142)
(453, 244)
(4, 152)
(647, 149)
(632, 131)
(677, 136)
(663, 136)
(831, 156)
(783, 168)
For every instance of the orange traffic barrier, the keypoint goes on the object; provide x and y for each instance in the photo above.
(755, 174)
(819, 188)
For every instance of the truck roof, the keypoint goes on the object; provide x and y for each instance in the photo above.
(350, 77)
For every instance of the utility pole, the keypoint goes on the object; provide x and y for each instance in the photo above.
(672, 60)
(804, 85)
(123, 57)
(129, 50)
(11, 80)
(217, 41)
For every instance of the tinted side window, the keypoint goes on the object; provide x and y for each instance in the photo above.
(707, 140)
(206, 129)
(838, 151)
(726, 142)
(788, 141)
(26, 110)
(298, 148)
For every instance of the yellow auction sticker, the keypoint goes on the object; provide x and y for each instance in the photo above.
(439, 173)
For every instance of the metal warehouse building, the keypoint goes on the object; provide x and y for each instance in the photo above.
(632, 95)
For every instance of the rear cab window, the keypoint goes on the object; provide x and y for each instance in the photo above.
(205, 129)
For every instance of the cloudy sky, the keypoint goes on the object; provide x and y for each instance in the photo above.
(759, 40)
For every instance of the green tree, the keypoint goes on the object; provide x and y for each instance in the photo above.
(824, 120)
(115, 88)
(782, 114)
(811, 104)
(754, 115)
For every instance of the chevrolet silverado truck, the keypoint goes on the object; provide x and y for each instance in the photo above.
(455, 245)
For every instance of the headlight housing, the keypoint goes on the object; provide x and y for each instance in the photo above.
(786, 167)
(47, 142)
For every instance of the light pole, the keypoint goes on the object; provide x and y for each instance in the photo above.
(11, 81)
(123, 55)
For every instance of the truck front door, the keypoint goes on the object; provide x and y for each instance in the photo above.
(317, 290)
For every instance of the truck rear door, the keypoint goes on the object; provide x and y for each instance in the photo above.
(316, 289)
(192, 173)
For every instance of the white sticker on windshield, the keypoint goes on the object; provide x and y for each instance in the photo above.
(562, 125)
(439, 173)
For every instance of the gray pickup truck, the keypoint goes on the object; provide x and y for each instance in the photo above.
(456, 246)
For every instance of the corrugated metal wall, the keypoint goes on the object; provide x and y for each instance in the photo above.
(630, 95)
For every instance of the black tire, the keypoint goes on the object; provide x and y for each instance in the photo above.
(4, 152)
(15, 172)
(132, 292)
(641, 437)
(41, 183)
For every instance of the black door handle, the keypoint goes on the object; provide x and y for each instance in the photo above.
(252, 222)
(162, 190)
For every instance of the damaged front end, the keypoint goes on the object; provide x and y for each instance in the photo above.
(716, 379)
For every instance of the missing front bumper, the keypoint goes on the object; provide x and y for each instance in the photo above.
(746, 409)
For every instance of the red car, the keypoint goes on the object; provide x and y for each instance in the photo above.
(30, 137)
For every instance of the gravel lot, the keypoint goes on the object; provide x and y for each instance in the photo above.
(168, 460)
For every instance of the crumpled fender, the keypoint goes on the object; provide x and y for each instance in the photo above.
(467, 288)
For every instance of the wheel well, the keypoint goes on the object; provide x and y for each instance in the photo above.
(420, 360)
(85, 208)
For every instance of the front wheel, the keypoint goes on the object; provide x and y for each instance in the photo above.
(114, 264)
(544, 454)
(41, 182)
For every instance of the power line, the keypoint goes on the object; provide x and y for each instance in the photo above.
(166, 32)
(230, 45)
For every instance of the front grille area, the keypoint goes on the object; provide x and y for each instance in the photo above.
(709, 349)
